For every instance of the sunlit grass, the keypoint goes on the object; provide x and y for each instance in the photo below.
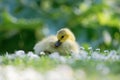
(88, 65)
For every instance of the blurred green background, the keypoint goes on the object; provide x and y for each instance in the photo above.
(95, 23)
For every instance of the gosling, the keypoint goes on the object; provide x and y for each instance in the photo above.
(63, 43)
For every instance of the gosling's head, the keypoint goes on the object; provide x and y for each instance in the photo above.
(63, 35)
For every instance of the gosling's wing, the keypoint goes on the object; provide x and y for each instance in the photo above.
(45, 45)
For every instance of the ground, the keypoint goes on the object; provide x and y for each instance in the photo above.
(88, 65)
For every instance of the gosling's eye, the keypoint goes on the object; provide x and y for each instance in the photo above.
(62, 37)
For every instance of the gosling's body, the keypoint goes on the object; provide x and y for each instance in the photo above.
(46, 45)
(63, 43)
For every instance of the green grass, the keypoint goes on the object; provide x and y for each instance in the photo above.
(94, 69)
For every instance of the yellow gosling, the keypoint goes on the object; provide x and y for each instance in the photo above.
(64, 43)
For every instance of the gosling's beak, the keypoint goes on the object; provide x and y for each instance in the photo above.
(58, 43)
